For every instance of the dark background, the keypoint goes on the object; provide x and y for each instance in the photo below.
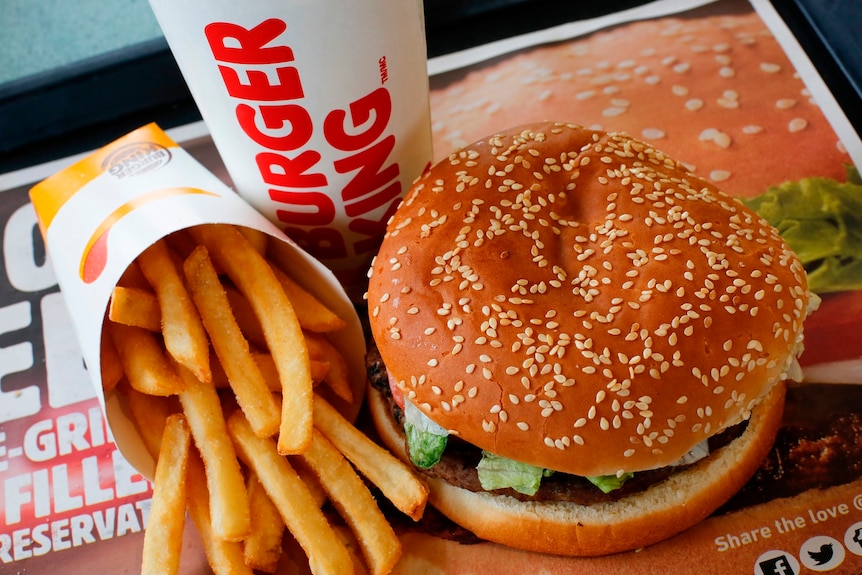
(86, 105)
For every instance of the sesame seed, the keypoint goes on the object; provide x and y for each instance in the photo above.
(652, 134)
(797, 125)
(719, 175)
(694, 104)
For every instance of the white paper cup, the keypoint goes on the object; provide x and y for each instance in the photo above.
(319, 109)
(99, 214)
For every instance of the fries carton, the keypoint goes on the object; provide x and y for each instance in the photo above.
(100, 214)
(320, 111)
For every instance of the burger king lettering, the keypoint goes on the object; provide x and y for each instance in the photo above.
(261, 76)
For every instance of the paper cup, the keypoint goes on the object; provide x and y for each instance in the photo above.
(99, 214)
(320, 111)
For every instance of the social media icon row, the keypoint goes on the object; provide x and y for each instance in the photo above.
(819, 553)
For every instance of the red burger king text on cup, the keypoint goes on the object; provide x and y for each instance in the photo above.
(284, 129)
(319, 111)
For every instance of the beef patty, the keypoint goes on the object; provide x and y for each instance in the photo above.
(458, 463)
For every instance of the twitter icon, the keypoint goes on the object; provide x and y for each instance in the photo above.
(821, 553)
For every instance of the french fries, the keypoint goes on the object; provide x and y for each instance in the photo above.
(261, 550)
(255, 278)
(112, 368)
(263, 450)
(243, 373)
(144, 361)
(406, 491)
(312, 314)
(150, 413)
(182, 329)
(163, 538)
(135, 306)
(224, 557)
(228, 496)
(351, 497)
(298, 508)
(256, 239)
(245, 318)
(336, 376)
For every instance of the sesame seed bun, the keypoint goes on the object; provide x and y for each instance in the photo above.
(712, 88)
(576, 300)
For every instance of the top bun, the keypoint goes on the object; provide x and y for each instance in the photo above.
(577, 300)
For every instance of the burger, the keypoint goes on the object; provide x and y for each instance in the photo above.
(582, 347)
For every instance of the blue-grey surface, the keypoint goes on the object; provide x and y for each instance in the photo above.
(41, 35)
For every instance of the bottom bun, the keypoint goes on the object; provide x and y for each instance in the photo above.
(635, 521)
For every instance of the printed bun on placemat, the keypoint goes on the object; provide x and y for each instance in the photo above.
(712, 88)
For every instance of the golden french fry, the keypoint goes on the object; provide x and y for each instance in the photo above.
(224, 557)
(181, 243)
(311, 313)
(380, 546)
(228, 496)
(243, 373)
(319, 370)
(133, 278)
(219, 376)
(338, 376)
(184, 335)
(267, 367)
(325, 551)
(144, 361)
(262, 548)
(111, 368)
(254, 277)
(245, 318)
(135, 306)
(394, 479)
(256, 239)
(149, 414)
(163, 538)
(310, 479)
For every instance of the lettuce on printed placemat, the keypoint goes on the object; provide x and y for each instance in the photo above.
(821, 220)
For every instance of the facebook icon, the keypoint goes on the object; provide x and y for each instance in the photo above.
(777, 566)
(777, 563)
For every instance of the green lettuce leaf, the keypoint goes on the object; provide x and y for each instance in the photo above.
(821, 220)
(497, 472)
(425, 448)
(608, 483)
(425, 439)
